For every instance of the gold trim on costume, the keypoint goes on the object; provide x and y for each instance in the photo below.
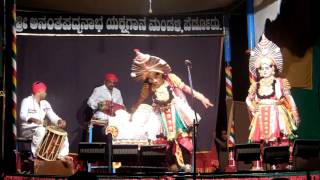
(265, 52)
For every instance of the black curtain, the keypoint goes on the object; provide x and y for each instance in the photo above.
(72, 66)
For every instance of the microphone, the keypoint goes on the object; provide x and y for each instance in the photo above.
(188, 62)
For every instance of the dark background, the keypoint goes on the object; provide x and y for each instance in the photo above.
(72, 66)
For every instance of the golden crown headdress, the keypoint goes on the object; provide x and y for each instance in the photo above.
(143, 64)
(266, 52)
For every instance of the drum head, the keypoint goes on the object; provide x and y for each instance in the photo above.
(56, 130)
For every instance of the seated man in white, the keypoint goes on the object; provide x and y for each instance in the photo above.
(106, 97)
(34, 109)
(107, 103)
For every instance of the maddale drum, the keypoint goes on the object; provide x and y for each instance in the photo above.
(51, 144)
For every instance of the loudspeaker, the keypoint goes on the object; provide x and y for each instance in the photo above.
(91, 152)
(306, 154)
(247, 152)
(140, 158)
(276, 155)
(153, 158)
(127, 154)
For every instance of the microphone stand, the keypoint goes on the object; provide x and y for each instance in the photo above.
(195, 123)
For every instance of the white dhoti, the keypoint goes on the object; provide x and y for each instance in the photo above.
(143, 124)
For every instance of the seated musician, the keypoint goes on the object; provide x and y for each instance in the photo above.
(106, 99)
(107, 103)
(34, 110)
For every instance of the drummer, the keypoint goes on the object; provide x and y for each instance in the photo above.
(34, 109)
(103, 96)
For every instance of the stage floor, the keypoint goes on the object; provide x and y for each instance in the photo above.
(266, 175)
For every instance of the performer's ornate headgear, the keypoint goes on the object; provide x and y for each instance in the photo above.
(266, 52)
(38, 86)
(111, 77)
(143, 64)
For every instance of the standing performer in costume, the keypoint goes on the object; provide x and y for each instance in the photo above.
(169, 104)
(274, 114)
(33, 111)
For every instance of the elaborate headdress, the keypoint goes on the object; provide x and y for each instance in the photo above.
(143, 64)
(266, 52)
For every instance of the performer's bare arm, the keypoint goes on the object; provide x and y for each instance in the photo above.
(289, 98)
(145, 91)
(185, 88)
(205, 101)
(250, 98)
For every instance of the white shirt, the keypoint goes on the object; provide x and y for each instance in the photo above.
(100, 94)
(31, 109)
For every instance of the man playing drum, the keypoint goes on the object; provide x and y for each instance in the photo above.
(107, 103)
(105, 100)
(34, 109)
(106, 97)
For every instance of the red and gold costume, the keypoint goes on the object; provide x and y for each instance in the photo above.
(169, 103)
(274, 114)
(269, 100)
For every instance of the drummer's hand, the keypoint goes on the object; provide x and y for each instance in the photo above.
(62, 123)
(101, 105)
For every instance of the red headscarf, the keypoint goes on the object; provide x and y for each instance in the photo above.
(38, 86)
(111, 77)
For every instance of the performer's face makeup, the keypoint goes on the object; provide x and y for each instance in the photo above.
(155, 78)
(110, 84)
(266, 70)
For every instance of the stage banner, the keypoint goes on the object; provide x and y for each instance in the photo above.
(66, 24)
